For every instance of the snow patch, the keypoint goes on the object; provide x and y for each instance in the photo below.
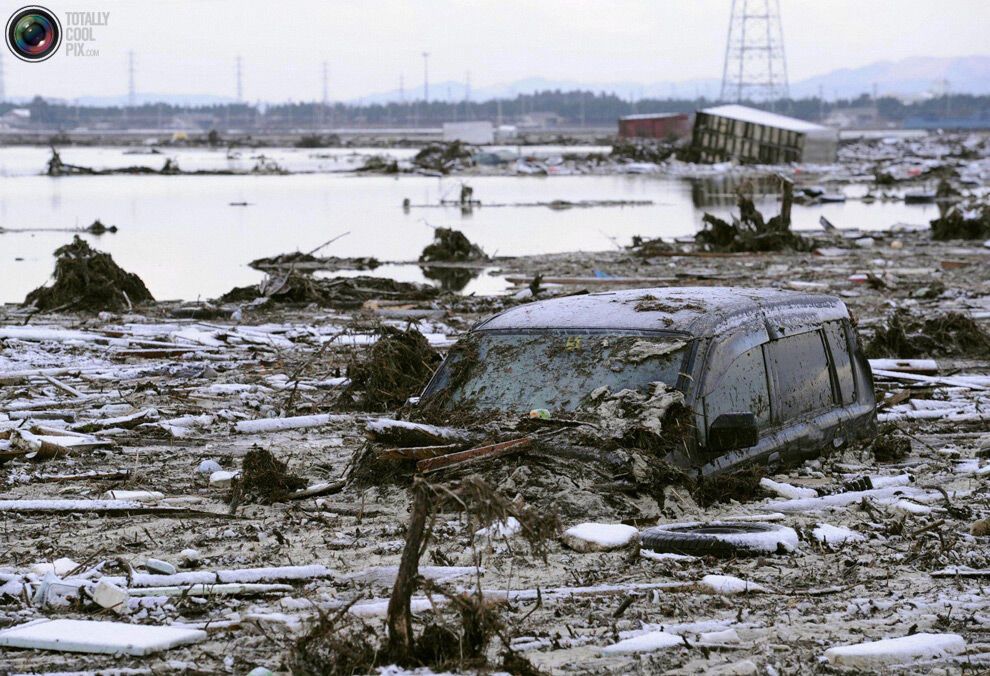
(900, 650)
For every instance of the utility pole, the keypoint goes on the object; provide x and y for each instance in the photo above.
(130, 79)
(426, 77)
(467, 95)
(240, 84)
(323, 101)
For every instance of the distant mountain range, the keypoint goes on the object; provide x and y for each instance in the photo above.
(913, 77)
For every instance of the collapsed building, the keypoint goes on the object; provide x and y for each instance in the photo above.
(734, 132)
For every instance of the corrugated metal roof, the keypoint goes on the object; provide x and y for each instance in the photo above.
(746, 114)
(652, 116)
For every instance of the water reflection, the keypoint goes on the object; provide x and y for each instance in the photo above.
(450, 279)
(723, 191)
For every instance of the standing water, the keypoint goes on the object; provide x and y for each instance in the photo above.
(186, 238)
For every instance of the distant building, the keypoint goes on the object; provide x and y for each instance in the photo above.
(655, 125)
(854, 117)
(540, 120)
(476, 133)
(16, 118)
(756, 136)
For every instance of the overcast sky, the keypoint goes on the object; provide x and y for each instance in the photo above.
(189, 47)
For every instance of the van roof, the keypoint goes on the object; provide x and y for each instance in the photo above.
(698, 312)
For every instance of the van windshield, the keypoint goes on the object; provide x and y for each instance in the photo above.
(555, 370)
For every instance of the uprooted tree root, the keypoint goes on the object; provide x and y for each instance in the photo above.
(398, 366)
(451, 245)
(751, 232)
(264, 478)
(906, 336)
(89, 280)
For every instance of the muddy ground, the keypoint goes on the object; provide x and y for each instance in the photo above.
(160, 400)
(291, 361)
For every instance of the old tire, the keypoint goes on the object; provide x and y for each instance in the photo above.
(720, 538)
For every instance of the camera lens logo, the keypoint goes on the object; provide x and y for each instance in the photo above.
(33, 33)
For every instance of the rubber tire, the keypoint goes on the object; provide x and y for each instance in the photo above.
(703, 539)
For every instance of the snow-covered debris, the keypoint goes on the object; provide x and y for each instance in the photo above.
(59, 567)
(727, 584)
(134, 496)
(87, 636)
(665, 556)
(160, 567)
(265, 425)
(787, 490)
(108, 595)
(715, 638)
(655, 640)
(887, 495)
(209, 467)
(901, 650)
(500, 529)
(835, 535)
(599, 537)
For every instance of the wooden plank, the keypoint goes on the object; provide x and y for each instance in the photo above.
(473, 454)
(418, 452)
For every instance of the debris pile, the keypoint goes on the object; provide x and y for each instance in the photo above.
(302, 261)
(451, 246)
(950, 334)
(641, 151)
(972, 222)
(890, 444)
(264, 478)
(337, 292)
(444, 157)
(648, 248)
(377, 164)
(397, 366)
(88, 280)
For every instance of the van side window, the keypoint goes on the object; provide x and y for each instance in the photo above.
(800, 367)
(838, 347)
(742, 388)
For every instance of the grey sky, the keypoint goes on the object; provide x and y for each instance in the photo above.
(188, 47)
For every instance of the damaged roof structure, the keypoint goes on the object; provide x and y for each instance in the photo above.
(735, 132)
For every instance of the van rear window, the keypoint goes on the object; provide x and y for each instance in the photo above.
(800, 365)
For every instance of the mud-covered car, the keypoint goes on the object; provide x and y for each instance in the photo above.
(763, 375)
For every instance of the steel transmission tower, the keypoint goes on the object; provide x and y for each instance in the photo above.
(755, 66)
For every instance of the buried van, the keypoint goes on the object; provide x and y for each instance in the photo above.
(762, 375)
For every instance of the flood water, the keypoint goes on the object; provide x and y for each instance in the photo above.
(182, 235)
